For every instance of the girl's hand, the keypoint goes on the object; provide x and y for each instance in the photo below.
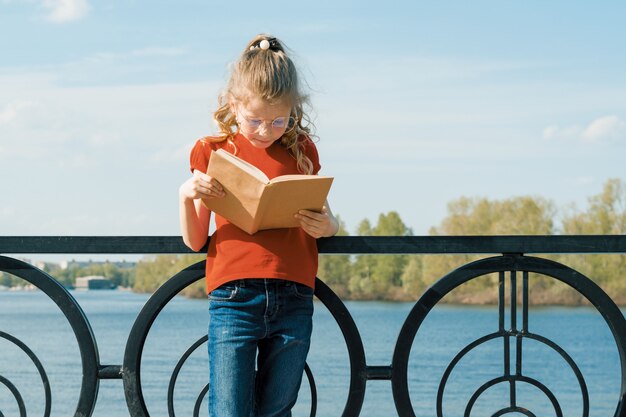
(318, 225)
(200, 185)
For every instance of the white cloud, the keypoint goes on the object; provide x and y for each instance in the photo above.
(601, 129)
(607, 127)
(14, 110)
(42, 122)
(558, 132)
(61, 11)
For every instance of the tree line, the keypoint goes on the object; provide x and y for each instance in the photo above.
(120, 276)
(405, 277)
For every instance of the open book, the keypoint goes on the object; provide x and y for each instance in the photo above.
(254, 202)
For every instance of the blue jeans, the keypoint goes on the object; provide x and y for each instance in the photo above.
(273, 317)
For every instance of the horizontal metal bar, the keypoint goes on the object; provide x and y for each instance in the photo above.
(378, 373)
(474, 244)
(109, 372)
(334, 245)
(93, 244)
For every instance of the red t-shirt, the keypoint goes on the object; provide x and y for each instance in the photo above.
(289, 253)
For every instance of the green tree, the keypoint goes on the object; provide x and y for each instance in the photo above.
(380, 276)
(335, 270)
(513, 216)
(152, 272)
(364, 228)
(606, 215)
(198, 288)
(481, 216)
(119, 276)
(67, 276)
(413, 284)
(8, 280)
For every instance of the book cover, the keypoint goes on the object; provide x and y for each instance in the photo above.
(254, 202)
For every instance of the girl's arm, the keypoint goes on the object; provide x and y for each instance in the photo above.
(318, 225)
(194, 216)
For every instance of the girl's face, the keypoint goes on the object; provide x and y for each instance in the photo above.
(262, 123)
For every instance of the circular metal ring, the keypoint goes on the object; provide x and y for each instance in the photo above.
(78, 321)
(131, 368)
(598, 298)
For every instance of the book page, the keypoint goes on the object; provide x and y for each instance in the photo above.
(294, 177)
(244, 165)
(283, 199)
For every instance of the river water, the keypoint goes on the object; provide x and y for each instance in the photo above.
(580, 331)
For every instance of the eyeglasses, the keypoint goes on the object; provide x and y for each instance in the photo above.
(279, 123)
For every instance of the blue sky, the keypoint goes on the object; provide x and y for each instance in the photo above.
(416, 104)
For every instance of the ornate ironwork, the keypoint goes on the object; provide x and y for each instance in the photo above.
(40, 369)
(79, 324)
(509, 266)
(139, 333)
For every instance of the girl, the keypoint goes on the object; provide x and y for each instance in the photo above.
(260, 286)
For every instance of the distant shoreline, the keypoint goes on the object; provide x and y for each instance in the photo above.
(472, 300)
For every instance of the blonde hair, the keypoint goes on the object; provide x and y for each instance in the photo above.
(270, 75)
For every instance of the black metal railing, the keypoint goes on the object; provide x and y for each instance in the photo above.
(512, 264)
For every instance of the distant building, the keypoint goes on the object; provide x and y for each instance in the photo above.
(94, 282)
